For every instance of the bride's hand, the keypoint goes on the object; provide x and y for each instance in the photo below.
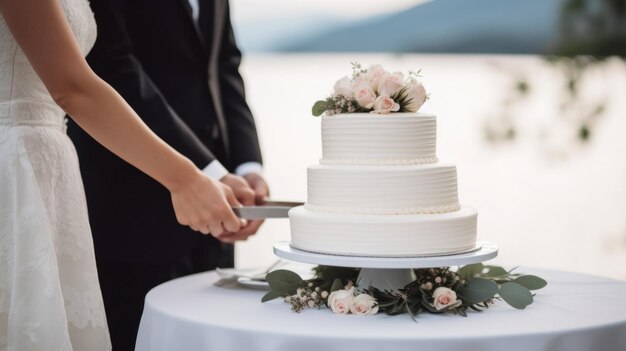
(205, 205)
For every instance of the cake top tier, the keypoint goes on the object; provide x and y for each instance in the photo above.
(374, 139)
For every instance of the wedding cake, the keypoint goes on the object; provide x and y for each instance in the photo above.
(379, 189)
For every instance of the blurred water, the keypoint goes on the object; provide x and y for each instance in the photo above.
(545, 198)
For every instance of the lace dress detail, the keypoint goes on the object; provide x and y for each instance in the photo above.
(50, 297)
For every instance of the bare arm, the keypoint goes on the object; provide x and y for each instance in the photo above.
(43, 33)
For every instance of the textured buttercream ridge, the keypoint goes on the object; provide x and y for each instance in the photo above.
(379, 162)
(386, 211)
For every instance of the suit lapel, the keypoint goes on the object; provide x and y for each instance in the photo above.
(187, 7)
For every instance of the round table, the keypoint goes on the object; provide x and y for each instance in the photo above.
(574, 312)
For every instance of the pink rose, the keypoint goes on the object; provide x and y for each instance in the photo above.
(390, 83)
(342, 87)
(364, 305)
(416, 95)
(365, 96)
(445, 298)
(340, 301)
(385, 104)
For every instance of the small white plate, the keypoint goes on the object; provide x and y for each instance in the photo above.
(253, 283)
(232, 273)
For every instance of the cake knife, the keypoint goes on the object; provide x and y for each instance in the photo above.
(269, 209)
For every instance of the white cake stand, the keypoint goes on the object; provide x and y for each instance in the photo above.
(387, 272)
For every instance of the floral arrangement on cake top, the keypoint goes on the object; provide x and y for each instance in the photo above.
(435, 290)
(374, 90)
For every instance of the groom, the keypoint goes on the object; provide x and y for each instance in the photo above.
(176, 63)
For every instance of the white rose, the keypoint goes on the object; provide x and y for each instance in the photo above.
(365, 96)
(390, 83)
(374, 74)
(364, 305)
(359, 80)
(376, 70)
(342, 87)
(416, 95)
(445, 298)
(385, 104)
(340, 301)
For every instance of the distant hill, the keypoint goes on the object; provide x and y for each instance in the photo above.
(271, 34)
(454, 26)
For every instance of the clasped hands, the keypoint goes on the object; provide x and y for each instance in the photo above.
(205, 204)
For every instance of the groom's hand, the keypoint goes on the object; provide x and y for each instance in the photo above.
(242, 190)
(246, 194)
(259, 185)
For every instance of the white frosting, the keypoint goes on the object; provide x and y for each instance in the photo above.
(383, 236)
(379, 162)
(379, 191)
(383, 189)
(363, 138)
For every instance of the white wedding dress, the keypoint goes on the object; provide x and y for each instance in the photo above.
(50, 297)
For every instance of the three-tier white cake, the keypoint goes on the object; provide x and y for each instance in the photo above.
(380, 191)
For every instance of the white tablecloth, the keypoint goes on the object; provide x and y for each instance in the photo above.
(574, 312)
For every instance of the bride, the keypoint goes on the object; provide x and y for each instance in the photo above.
(49, 293)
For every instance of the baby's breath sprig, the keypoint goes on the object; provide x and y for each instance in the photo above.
(309, 296)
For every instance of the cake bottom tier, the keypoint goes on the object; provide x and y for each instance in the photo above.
(383, 235)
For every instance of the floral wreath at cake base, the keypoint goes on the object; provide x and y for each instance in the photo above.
(435, 290)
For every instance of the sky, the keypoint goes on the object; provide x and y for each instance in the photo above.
(262, 25)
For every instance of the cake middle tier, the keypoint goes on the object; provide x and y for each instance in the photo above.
(382, 190)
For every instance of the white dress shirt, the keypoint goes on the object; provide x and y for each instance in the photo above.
(195, 9)
(215, 169)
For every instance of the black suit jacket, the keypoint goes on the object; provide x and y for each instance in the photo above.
(182, 78)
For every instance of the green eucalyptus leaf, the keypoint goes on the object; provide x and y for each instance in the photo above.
(495, 271)
(478, 290)
(319, 107)
(337, 285)
(515, 295)
(471, 270)
(427, 304)
(283, 281)
(512, 269)
(271, 295)
(531, 282)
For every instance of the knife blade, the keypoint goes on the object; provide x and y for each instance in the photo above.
(269, 209)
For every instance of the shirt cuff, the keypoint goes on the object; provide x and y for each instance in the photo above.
(248, 167)
(215, 170)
